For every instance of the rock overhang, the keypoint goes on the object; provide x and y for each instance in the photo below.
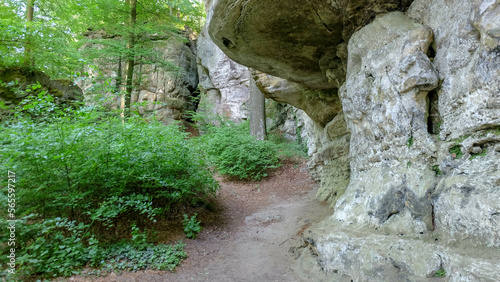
(303, 42)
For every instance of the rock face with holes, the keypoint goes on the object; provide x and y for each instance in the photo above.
(165, 88)
(385, 106)
(409, 151)
(467, 58)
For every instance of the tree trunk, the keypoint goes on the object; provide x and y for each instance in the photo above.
(130, 55)
(119, 76)
(257, 112)
(30, 8)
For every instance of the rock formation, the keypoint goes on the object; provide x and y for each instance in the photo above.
(225, 83)
(405, 108)
(166, 87)
(64, 91)
(226, 88)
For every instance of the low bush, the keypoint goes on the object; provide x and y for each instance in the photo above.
(237, 154)
(191, 226)
(130, 257)
(79, 173)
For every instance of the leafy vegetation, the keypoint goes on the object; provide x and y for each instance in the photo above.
(436, 169)
(237, 154)
(409, 142)
(457, 151)
(130, 257)
(191, 226)
(56, 33)
(440, 273)
(92, 183)
(85, 171)
(88, 174)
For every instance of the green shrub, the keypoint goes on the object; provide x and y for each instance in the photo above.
(191, 226)
(104, 170)
(50, 247)
(237, 154)
(81, 172)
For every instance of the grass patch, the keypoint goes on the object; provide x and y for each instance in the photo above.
(457, 151)
(482, 154)
(436, 169)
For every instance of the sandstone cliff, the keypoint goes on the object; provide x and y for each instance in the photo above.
(224, 82)
(226, 88)
(165, 87)
(404, 103)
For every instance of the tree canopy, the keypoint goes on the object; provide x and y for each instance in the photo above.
(56, 34)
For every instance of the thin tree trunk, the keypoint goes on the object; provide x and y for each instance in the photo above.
(120, 89)
(30, 8)
(257, 111)
(119, 77)
(131, 59)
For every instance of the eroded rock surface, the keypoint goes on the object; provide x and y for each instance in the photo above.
(411, 159)
(297, 41)
(320, 105)
(384, 101)
(225, 82)
(417, 206)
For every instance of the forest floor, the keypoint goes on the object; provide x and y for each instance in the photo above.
(247, 232)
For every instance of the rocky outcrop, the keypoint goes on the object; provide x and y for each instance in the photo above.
(411, 158)
(166, 87)
(298, 41)
(415, 207)
(324, 127)
(467, 57)
(224, 82)
(64, 91)
(384, 101)
(320, 105)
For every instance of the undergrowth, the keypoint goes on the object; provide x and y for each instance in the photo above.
(237, 154)
(88, 181)
(83, 174)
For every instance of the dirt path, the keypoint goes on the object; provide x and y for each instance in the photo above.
(249, 235)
